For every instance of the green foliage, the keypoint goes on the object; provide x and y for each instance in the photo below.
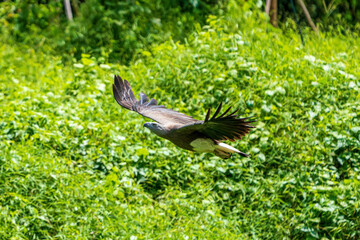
(113, 29)
(121, 28)
(338, 14)
(76, 165)
(29, 21)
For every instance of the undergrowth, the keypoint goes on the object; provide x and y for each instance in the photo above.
(74, 165)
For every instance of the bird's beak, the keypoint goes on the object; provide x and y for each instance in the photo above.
(146, 125)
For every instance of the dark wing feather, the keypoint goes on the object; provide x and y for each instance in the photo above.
(125, 97)
(225, 127)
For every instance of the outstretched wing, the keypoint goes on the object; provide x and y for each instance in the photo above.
(224, 127)
(125, 97)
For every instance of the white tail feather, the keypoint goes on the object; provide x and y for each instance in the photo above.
(226, 148)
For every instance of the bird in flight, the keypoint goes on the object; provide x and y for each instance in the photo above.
(185, 131)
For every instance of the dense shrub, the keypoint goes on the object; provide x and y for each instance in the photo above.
(76, 165)
(118, 30)
(32, 21)
(112, 29)
(338, 14)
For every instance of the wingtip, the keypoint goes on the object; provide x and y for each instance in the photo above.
(116, 94)
(233, 113)
(117, 78)
(217, 111)
(227, 110)
(207, 115)
(118, 81)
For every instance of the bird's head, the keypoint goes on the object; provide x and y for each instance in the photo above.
(155, 128)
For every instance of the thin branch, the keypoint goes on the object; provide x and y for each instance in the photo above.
(68, 11)
(273, 12)
(307, 15)
(267, 8)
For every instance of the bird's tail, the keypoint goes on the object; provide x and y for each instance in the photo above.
(224, 151)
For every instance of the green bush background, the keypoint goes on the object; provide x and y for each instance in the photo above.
(118, 30)
(74, 165)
